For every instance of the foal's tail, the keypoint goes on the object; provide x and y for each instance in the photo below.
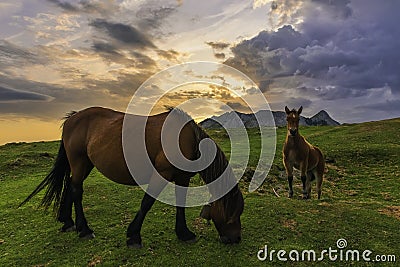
(54, 181)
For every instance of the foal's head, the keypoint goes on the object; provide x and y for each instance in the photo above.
(293, 118)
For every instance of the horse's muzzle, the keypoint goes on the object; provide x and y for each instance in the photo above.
(230, 240)
(293, 132)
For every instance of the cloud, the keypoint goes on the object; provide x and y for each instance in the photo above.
(152, 16)
(65, 5)
(219, 55)
(284, 12)
(170, 55)
(388, 105)
(124, 33)
(14, 54)
(218, 45)
(12, 95)
(88, 6)
(334, 49)
(59, 100)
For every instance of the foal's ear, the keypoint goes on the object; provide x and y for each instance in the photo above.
(300, 110)
(287, 110)
(206, 212)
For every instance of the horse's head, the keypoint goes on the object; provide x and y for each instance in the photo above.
(225, 213)
(293, 118)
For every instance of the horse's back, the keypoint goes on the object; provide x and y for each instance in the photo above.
(96, 134)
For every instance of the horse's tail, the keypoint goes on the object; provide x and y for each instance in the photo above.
(54, 181)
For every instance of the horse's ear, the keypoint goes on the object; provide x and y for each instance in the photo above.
(287, 110)
(206, 212)
(300, 110)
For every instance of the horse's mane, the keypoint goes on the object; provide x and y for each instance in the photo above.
(216, 168)
(220, 162)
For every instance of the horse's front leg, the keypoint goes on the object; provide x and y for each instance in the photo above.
(133, 233)
(289, 173)
(181, 229)
(156, 185)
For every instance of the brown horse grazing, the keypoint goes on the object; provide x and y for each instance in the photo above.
(93, 138)
(300, 154)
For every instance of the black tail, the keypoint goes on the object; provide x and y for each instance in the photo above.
(54, 181)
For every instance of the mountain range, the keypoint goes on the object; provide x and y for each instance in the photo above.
(229, 119)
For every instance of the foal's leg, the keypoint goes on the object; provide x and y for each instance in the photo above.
(181, 229)
(305, 179)
(289, 173)
(156, 185)
(308, 185)
(319, 182)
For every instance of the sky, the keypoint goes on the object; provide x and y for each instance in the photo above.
(55, 56)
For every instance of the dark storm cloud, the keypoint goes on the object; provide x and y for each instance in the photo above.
(12, 95)
(341, 47)
(124, 33)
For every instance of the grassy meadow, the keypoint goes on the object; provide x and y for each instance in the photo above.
(360, 203)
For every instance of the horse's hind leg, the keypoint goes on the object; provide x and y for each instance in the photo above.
(65, 213)
(181, 229)
(80, 170)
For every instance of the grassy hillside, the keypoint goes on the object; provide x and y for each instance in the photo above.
(360, 203)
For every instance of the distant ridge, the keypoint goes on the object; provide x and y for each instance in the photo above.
(249, 120)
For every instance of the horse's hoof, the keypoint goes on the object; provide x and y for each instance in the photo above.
(188, 237)
(290, 195)
(131, 244)
(67, 229)
(87, 235)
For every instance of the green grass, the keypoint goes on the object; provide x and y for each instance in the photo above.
(360, 202)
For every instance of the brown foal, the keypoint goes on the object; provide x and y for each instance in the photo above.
(300, 154)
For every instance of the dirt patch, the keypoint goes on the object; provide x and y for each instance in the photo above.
(95, 261)
(290, 224)
(200, 224)
(393, 211)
